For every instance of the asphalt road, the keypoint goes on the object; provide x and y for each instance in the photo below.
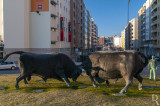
(145, 71)
(7, 72)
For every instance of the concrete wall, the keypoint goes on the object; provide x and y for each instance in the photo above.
(14, 23)
(40, 30)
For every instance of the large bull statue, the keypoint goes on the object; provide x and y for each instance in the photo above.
(58, 66)
(103, 66)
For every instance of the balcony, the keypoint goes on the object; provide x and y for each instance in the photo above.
(155, 38)
(53, 29)
(53, 16)
(154, 2)
(144, 22)
(154, 23)
(143, 34)
(144, 28)
(53, 42)
(154, 30)
(154, 8)
(154, 15)
(53, 2)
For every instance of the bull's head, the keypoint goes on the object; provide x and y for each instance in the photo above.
(76, 74)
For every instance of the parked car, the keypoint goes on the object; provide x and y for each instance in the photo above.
(8, 65)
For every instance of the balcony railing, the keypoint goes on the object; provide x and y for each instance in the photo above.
(154, 15)
(53, 2)
(154, 22)
(153, 2)
(53, 16)
(154, 7)
(53, 28)
(153, 30)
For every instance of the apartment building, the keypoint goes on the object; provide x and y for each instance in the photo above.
(127, 37)
(131, 35)
(134, 34)
(94, 34)
(39, 23)
(87, 29)
(76, 23)
(60, 24)
(101, 40)
(141, 28)
(116, 41)
(123, 39)
(149, 27)
(155, 26)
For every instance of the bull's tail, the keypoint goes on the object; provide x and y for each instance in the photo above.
(146, 59)
(17, 52)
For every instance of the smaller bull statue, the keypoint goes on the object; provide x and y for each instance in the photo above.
(152, 66)
(102, 66)
(57, 66)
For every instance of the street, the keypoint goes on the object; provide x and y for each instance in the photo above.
(145, 71)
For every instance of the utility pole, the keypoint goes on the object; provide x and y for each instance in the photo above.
(128, 12)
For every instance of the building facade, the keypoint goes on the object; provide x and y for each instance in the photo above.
(116, 41)
(76, 20)
(101, 40)
(134, 34)
(127, 37)
(123, 39)
(60, 24)
(94, 34)
(149, 28)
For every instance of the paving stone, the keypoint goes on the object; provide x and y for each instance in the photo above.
(38, 90)
(118, 94)
(2, 88)
(84, 86)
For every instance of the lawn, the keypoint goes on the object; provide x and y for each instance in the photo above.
(57, 93)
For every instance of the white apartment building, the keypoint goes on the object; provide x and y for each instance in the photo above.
(35, 23)
(116, 41)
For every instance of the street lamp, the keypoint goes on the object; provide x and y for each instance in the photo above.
(128, 12)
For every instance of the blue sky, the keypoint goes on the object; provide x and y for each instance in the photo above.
(111, 15)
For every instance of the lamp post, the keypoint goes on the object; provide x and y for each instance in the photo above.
(128, 12)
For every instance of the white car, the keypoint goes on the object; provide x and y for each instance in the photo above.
(8, 65)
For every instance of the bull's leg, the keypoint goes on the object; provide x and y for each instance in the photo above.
(25, 81)
(44, 79)
(107, 83)
(128, 83)
(18, 80)
(139, 78)
(64, 78)
(93, 82)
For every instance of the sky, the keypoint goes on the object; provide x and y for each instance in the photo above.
(111, 15)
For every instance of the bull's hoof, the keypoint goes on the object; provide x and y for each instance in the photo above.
(122, 92)
(25, 82)
(108, 85)
(95, 86)
(70, 86)
(17, 87)
(139, 89)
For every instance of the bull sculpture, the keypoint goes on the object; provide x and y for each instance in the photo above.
(103, 66)
(57, 66)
